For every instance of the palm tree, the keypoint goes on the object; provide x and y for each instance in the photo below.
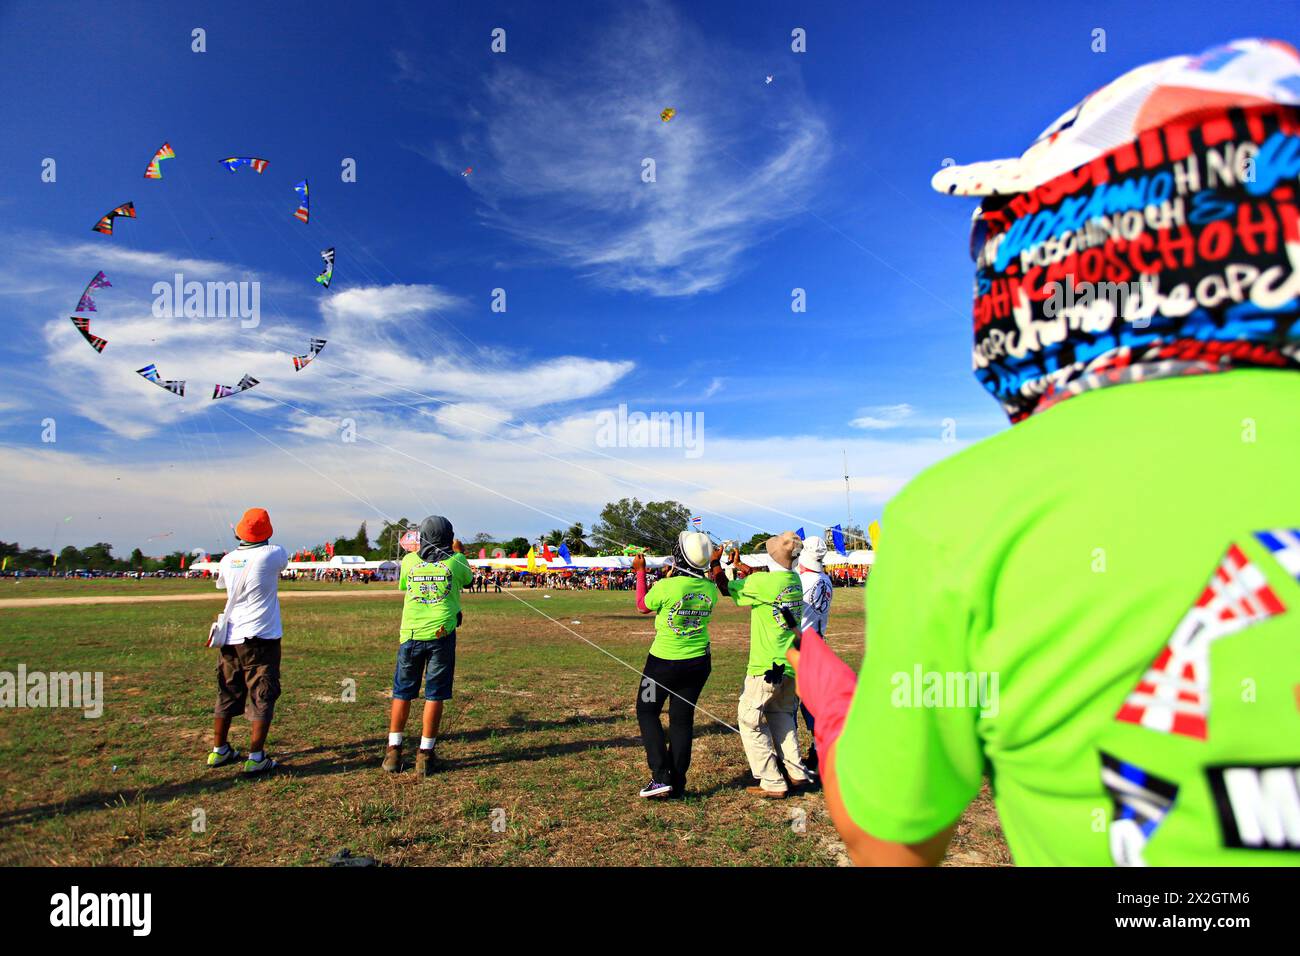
(573, 538)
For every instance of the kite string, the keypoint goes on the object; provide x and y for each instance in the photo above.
(389, 518)
(631, 483)
(533, 430)
(276, 228)
(177, 424)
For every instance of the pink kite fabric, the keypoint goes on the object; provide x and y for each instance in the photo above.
(826, 686)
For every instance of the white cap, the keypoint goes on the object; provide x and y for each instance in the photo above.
(814, 549)
(1241, 73)
(696, 548)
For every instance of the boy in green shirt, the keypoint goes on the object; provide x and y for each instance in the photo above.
(431, 579)
(769, 704)
(1100, 607)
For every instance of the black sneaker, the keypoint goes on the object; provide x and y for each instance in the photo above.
(655, 790)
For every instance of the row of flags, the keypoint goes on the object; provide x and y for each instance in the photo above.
(837, 537)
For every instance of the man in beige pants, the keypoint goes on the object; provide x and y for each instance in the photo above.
(768, 704)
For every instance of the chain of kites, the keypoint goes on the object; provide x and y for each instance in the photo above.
(127, 210)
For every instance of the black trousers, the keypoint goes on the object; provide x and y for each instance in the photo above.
(669, 760)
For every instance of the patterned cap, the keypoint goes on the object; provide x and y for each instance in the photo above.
(1241, 73)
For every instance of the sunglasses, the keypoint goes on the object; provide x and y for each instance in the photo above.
(979, 224)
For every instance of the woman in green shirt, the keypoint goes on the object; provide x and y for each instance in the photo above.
(678, 665)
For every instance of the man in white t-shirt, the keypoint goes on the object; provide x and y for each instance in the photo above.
(248, 669)
(817, 593)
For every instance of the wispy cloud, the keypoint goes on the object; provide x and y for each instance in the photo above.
(881, 417)
(564, 154)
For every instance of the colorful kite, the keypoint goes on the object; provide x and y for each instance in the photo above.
(150, 372)
(87, 304)
(223, 391)
(304, 207)
(105, 224)
(410, 540)
(83, 326)
(234, 162)
(154, 171)
(326, 273)
(467, 170)
(667, 114)
(302, 361)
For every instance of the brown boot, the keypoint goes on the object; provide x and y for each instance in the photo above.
(393, 758)
(767, 794)
(424, 763)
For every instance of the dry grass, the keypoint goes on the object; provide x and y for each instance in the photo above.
(541, 734)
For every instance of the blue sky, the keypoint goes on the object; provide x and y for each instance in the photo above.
(671, 296)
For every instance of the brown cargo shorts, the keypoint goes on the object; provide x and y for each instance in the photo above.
(248, 678)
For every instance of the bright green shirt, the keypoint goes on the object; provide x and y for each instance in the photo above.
(769, 638)
(432, 595)
(682, 604)
(1061, 560)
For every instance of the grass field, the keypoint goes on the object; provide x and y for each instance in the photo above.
(81, 587)
(541, 735)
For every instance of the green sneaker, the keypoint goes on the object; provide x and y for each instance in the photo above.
(216, 759)
(253, 768)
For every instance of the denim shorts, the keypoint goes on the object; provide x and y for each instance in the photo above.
(435, 659)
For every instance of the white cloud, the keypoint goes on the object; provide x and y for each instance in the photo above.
(517, 481)
(383, 304)
(563, 153)
(881, 417)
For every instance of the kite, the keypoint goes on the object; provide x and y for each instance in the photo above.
(87, 304)
(302, 361)
(150, 372)
(234, 162)
(410, 540)
(768, 79)
(667, 114)
(154, 171)
(328, 272)
(304, 207)
(83, 326)
(467, 170)
(222, 391)
(105, 224)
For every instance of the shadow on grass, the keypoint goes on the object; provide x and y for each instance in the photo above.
(345, 758)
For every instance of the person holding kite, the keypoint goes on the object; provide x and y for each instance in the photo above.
(817, 593)
(678, 664)
(431, 579)
(768, 709)
(247, 637)
(1122, 608)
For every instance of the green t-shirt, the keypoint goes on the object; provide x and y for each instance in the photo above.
(682, 604)
(767, 592)
(432, 595)
(1130, 713)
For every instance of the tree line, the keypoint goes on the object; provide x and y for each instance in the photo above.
(652, 525)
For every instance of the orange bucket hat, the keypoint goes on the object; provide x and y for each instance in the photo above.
(255, 526)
